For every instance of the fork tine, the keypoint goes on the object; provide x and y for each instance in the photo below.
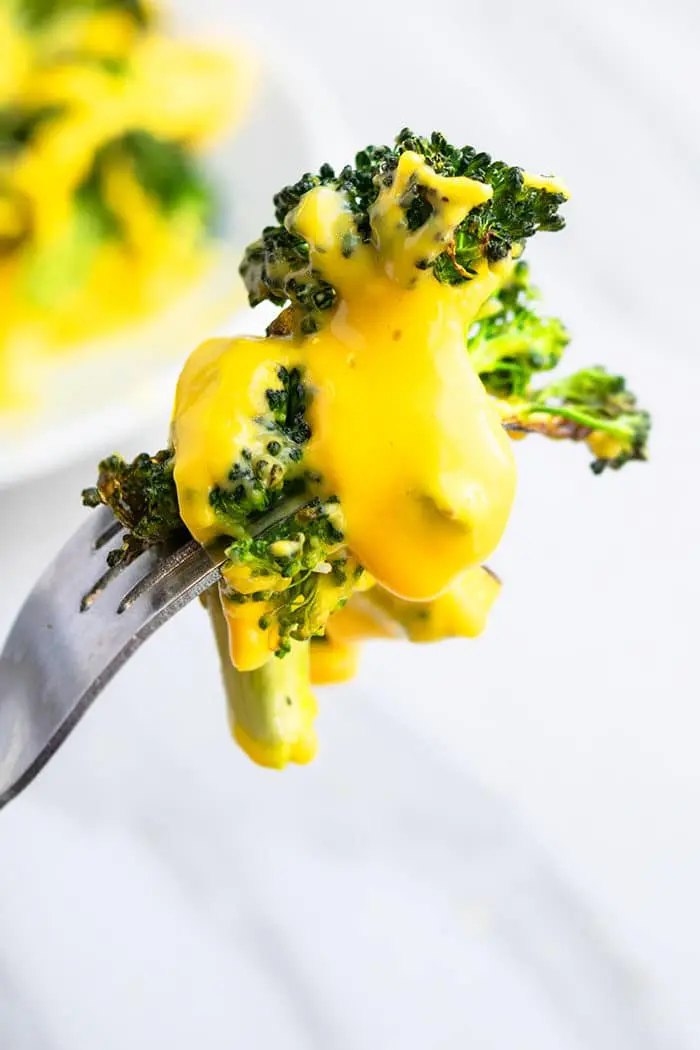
(101, 585)
(163, 569)
(109, 533)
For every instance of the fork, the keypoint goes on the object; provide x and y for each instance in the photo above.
(64, 648)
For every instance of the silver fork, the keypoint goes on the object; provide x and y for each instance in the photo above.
(62, 649)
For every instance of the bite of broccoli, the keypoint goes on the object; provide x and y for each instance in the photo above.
(297, 565)
(289, 569)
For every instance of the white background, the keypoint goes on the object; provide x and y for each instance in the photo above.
(130, 872)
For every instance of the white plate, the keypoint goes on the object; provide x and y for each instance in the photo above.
(93, 400)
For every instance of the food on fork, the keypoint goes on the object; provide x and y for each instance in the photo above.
(356, 461)
(105, 211)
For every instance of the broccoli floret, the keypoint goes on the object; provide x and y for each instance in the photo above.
(293, 546)
(165, 170)
(421, 205)
(303, 550)
(512, 340)
(143, 497)
(52, 272)
(274, 468)
(591, 405)
(276, 267)
(306, 550)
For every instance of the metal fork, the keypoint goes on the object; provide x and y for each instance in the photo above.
(62, 650)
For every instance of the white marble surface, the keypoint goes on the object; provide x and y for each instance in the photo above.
(498, 850)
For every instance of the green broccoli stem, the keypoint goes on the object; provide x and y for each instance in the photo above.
(583, 419)
(271, 708)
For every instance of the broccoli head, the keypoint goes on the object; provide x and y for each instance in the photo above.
(279, 267)
(511, 342)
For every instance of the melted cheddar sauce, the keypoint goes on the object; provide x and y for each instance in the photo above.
(333, 661)
(460, 612)
(405, 436)
(402, 430)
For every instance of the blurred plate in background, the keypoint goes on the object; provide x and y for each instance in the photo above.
(89, 402)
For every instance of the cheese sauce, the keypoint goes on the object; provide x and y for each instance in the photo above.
(460, 612)
(405, 435)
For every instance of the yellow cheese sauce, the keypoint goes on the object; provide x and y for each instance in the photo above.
(405, 436)
(219, 393)
(403, 432)
(460, 612)
(333, 661)
(546, 182)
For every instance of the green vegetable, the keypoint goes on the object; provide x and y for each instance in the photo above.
(143, 497)
(164, 169)
(38, 13)
(274, 467)
(305, 546)
(512, 342)
(305, 550)
(594, 406)
(52, 273)
(271, 703)
(276, 267)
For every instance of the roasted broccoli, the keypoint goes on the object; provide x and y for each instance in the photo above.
(417, 242)
(277, 267)
(512, 342)
(143, 497)
(272, 467)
